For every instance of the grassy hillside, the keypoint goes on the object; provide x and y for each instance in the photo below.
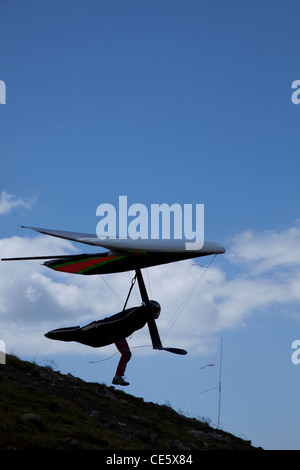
(42, 409)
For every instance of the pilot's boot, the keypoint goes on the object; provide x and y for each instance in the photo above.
(118, 380)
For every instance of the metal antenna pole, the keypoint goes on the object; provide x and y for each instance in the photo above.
(220, 383)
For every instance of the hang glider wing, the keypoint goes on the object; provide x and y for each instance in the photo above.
(129, 244)
(124, 255)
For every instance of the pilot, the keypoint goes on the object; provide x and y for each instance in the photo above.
(111, 330)
(123, 348)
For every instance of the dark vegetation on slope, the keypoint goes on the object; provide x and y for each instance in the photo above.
(42, 409)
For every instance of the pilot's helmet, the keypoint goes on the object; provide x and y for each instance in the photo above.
(155, 308)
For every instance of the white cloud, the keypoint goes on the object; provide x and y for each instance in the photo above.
(267, 250)
(9, 202)
(258, 274)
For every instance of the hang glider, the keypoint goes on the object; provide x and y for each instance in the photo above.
(125, 254)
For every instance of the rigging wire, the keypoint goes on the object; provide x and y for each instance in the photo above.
(147, 272)
(134, 290)
(175, 316)
(114, 292)
(185, 301)
(131, 287)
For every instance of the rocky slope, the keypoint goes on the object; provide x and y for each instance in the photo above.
(42, 409)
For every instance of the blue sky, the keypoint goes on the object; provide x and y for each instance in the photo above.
(164, 102)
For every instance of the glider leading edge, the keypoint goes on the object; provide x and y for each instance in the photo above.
(123, 255)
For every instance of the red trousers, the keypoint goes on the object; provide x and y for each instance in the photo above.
(123, 347)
